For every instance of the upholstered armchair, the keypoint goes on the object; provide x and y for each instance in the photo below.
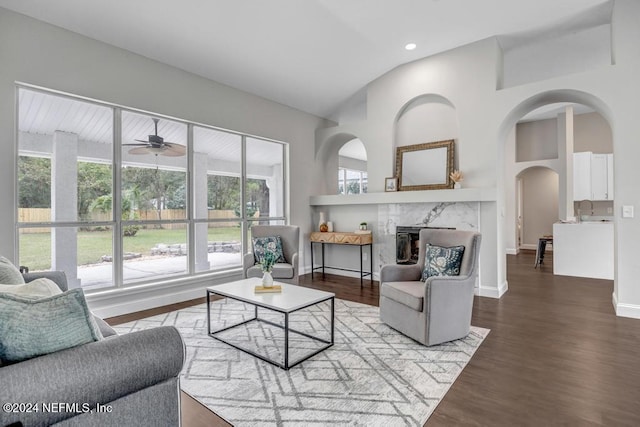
(438, 309)
(284, 271)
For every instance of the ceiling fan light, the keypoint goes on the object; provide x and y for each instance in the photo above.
(156, 150)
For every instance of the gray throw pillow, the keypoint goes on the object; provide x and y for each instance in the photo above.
(9, 274)
(441, 261)
(33, 327)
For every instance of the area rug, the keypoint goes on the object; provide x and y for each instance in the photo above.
(372, 376)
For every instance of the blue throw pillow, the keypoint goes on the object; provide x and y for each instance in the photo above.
(33, 327)
(441, 261)
(261, 245)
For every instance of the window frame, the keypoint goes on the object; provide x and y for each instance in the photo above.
(362, 176)
(117, 224)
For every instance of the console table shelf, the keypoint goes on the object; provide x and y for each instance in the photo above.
(349, 239)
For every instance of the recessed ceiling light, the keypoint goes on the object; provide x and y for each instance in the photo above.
(410, 46)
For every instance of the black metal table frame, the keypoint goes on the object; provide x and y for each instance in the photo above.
(363, 274)
(286, 365)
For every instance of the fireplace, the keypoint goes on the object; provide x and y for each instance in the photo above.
(407, 243)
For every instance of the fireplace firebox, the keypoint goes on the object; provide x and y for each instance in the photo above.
(408, 241)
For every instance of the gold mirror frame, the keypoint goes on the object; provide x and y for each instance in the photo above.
(418, 149)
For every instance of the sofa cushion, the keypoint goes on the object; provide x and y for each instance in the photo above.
(9, 274)
(261, 245)
(410, 294)
(439, 261)
(33, 327)
(38, 288)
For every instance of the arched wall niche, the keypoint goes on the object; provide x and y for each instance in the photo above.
(425, 118)
(327, 160)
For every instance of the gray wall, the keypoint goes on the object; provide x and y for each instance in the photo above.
(592, 133)
(41, 54)
(540, 204)
(537, 140)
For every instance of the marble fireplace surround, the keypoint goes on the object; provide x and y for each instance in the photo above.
(464, 209)
(460, 215)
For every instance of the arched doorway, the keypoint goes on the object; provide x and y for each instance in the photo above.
(568, 140)
(536, 205)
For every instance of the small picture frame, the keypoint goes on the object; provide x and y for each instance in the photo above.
(391, 184)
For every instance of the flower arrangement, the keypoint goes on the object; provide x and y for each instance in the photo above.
(456, 176)
(268, 261)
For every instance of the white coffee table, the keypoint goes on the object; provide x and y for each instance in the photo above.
(291, 299)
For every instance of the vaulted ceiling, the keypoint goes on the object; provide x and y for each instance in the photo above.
(312, 55)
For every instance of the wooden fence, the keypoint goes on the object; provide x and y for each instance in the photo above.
(33, 215)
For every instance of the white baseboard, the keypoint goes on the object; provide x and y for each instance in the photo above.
(625, 310)
(491, 292)
(512, 251)
(116, 302)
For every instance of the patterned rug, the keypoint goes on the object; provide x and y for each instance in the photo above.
(372, 376)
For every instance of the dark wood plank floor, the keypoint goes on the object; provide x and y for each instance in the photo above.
(556, 354)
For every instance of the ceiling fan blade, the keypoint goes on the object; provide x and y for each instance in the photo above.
(140, 150)
(174, 150)
(137, 145)
(142, 140)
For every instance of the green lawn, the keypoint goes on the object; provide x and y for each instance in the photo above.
(35, 248)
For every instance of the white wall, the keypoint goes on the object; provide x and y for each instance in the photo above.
(557, 56)
(426, 120)
(468, 78)
(37, 53)
(430, 99)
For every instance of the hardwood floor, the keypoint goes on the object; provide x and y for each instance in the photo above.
(556, 354)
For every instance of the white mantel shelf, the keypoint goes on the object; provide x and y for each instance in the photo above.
(460, 195)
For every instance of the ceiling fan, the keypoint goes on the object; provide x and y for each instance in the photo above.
(157, 145)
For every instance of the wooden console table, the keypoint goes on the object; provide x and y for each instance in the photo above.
(338, 238)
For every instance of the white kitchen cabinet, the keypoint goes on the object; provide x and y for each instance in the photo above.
(609, 176)
(592, 176)
(582, 176)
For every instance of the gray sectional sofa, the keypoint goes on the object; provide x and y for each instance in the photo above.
(134, 377)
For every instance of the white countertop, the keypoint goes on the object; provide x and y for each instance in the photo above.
(586, 223)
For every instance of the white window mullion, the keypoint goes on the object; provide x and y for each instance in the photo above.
(190, 205)
(116, 200)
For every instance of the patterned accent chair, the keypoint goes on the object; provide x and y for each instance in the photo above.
(282, 272)
(439, 309)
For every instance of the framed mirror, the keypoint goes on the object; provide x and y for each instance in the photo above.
(425, 166)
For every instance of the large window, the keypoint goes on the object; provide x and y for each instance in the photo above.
(159, 198)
